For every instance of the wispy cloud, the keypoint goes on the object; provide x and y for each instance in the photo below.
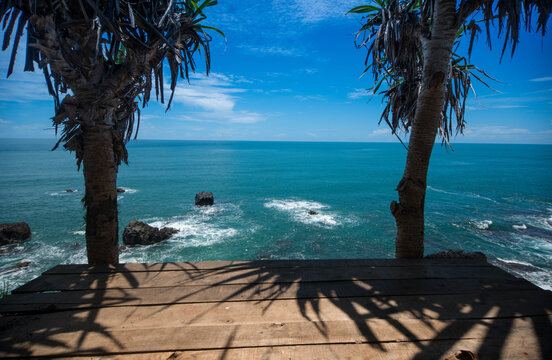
(495, 130)
(542, 79)
(313, 11)
(4, 122)
(273, 91)
(381, 132)
(272, 50)
(216, 96)
(309, 97)
(310, 70)
(358, 93)
(23, 87)
(499, 101)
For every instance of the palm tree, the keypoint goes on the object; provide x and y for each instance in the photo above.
(99, 57)
(412, 47)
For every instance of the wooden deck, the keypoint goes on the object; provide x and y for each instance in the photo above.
(312, 309)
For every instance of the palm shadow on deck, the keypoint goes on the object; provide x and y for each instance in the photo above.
(420, 309)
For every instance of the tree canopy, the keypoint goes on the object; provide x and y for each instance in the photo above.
(394, 33)
(117, 44)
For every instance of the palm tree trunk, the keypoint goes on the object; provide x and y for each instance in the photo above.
(100, 177)
(409, 211)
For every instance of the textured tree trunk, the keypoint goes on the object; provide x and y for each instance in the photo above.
(100, 178)
(409, 211)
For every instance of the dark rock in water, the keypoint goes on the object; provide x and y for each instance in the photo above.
(139, 233)
(311, 212)
(69, 190)
(11, 233)
(121, 248)
(120, 190)
(204, 199)
(21, 265)
(457, 254)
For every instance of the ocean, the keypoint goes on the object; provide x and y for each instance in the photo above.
(496, 199)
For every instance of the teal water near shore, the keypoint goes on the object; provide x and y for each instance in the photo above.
(491, 198)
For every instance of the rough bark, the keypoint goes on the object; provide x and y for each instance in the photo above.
(409, 211)
(100, 177)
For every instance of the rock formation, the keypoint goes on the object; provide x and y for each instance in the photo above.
(204, 199)
(139, 233)
(11, 233)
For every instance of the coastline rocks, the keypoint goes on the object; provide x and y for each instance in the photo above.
(204, 199)
(139, 233)
(11, 233)
(457, 254)
(120, 190)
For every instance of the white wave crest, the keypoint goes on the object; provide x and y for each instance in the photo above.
(520, 227)
(62, 193)
(482, 225)
(306, 212)
(292, 205)
(127, 190)
(192, 231)
(540, 277)
(79, 232)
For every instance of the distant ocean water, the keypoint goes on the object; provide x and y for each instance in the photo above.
(491, 198)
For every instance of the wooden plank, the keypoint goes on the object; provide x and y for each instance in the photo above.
(248, 276)
(511, 303)
(520, 348)
(87, 338)
(442, 307)
(267, 264)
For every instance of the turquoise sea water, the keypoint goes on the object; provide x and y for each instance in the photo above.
(491, 198)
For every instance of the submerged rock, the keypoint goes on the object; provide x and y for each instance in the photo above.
(457, 254)
(11, 233)
(204, 199)
(312, 212)
(20, 265)
(120, 190)
(139, 233)
(70, 190)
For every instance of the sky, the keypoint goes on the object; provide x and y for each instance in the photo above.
(289, 71)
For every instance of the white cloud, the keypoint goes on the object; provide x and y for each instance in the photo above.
(359, 93)
(309, 97)
(381, 132)
(495, 130)
(274, 91)
(311, 134)
(4, 122)
(542, 79)
(23, 87)
(216, 97)
(313, 11)
(272, 50)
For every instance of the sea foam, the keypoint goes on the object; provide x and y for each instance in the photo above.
(299, 211)
(482, 225)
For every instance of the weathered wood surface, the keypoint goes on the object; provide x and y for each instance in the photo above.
(328, 309)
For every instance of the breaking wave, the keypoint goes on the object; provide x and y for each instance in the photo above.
(308, 212)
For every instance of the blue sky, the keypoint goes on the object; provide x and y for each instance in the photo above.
(290, 72)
